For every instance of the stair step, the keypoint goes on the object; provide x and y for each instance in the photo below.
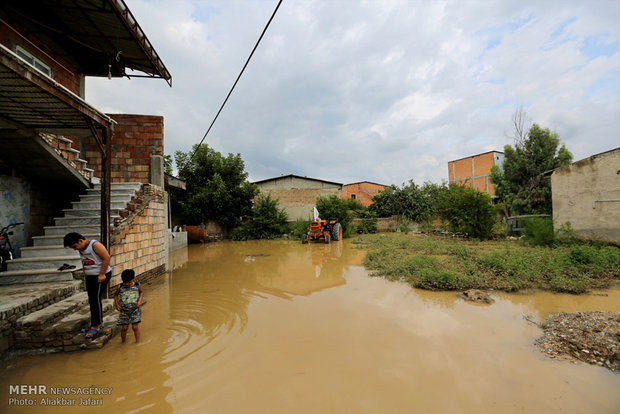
(47, 251)
(58, 239)
(81, 317)
(62, 230)
(121, 205)
(96, 198)
(50, 314)
(52, 262)
(16, 298)
(12, 277)
(121, 186)
(79, 220)
(85, 212)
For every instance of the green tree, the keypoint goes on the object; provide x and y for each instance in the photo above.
(467, 210)
(411, 201)
(168, 164)
(332, 207)
(267, 221)
(520, 183)
(217, 187)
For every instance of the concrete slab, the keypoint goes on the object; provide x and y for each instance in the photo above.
(15, 299)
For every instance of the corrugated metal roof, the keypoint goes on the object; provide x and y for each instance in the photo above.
(97, 38)
(32, 99)
(296, 176)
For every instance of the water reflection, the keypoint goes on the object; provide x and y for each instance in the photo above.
(282, 327)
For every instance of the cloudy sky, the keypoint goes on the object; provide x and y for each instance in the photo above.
(382, 91)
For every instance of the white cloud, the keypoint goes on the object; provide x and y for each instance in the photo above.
(381, 91)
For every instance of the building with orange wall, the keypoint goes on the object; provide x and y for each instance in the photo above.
(474, 171)
(362, 191)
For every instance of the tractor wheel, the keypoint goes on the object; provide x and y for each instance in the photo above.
(327, 238)
(337, 232)
(304, 239)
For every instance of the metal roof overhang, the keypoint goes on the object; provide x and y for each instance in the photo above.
(31, 102)
(32, 99)
(97, 38)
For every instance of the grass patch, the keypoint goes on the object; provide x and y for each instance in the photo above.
(437, 263)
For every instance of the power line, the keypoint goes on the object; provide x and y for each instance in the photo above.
(238, 77)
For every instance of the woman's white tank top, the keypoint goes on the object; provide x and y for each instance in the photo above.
(91, 260)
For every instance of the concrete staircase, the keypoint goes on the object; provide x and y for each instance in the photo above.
(40, 262)
(42, 309)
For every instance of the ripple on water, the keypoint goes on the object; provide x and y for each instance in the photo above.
(198, 319)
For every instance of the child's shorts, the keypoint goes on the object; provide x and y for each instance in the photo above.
(127, 317)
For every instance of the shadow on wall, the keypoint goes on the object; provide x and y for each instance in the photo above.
(15, 208)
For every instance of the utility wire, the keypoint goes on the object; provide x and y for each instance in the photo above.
(238, 77)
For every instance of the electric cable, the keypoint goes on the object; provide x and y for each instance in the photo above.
(238, 77)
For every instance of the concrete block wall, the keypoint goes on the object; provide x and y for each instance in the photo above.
(136, 139)
(587, 194)
(299, 203)
(139, 243)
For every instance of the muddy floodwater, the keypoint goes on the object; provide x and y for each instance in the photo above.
(281, 327)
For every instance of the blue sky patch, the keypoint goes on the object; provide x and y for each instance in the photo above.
(597, 45)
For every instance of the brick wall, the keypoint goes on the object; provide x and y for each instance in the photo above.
(363, 192)
(62, 72)
(136, 139)
(139, 242)
(474, 169)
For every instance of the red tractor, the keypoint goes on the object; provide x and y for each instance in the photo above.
(323, 230)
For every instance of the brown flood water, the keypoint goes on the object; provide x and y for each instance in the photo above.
(281, 327)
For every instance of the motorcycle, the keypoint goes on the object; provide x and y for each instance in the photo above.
(6, 249)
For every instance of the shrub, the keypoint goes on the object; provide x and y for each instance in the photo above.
(300, 227)
(404, 225)
(467, 211)
(538, 231)
(366, 226)
(266, 222)
(333, 208)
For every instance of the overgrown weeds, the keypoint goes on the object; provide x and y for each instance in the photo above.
(438, 263)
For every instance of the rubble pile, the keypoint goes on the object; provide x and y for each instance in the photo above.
(592, 337)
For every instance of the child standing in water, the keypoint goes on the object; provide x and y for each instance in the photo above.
(128, 299)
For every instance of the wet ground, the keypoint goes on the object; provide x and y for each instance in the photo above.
(281, 327)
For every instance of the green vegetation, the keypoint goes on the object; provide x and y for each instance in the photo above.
(417, 204)
(461, 209)
(217, 187)
(300, 227)
(467, 211)
(342, 210)
(438, 263)
(366, 226)
(520, 183)
(267, 221)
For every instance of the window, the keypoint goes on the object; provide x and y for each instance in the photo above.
(32, 60)
(352, 196)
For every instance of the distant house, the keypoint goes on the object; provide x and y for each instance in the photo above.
(362, 191)
(297, 194)
(586, 193)
(474, 170)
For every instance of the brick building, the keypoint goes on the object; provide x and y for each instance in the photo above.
(55, 145)
(362, 191)
(297, 194)
(474, 171)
